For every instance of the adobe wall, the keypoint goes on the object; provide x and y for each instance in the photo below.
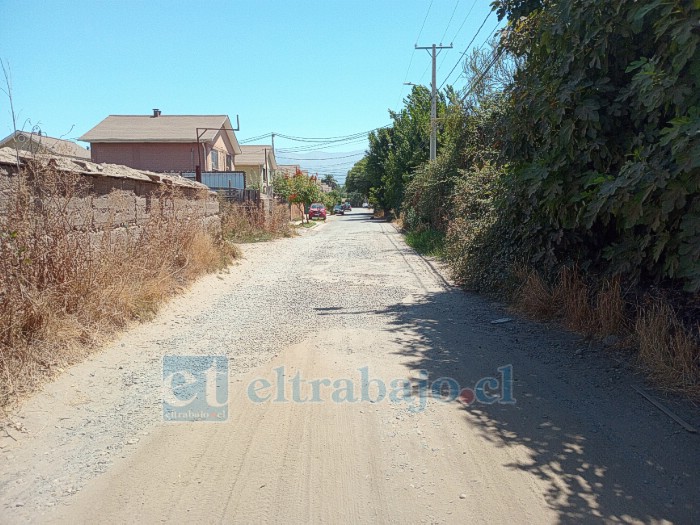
(119, 197)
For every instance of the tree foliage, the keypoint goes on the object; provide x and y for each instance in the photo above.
(299, 190)
(603, 135)
(579, 145)
(357, 180)
(396, 152)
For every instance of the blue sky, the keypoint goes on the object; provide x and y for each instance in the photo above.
(300, 68)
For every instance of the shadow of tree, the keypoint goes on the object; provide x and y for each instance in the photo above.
(602, 450)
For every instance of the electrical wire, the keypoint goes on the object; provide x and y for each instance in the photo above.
(465, 20)
(424, 20)
(326, 158)
(466, 50)
(474, 83)
(442, 38)
(413, 53)
(253, 139)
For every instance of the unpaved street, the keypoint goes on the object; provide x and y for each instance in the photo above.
(312, 326)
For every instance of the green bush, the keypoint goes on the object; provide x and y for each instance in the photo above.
(603, 136)
(427, 241)
(480, 248)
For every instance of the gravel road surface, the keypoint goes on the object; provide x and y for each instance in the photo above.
(316, 328)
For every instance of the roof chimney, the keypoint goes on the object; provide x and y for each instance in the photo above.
(156, 113)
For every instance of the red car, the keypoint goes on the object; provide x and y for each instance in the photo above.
(317, 210)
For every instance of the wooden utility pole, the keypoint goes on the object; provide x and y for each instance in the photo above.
(433, 50)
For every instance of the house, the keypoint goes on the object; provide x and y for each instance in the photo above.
(43, 144)
(288, 169)
(259, 164)
(165, 143)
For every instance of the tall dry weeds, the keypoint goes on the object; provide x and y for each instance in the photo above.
(250, 223)
(534, 296)
(667, 348)
(64, 286)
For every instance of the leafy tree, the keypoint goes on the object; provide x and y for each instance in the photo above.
(330, 181)
(357, 180)
(300, 190)
(396, 152)
(602, 135)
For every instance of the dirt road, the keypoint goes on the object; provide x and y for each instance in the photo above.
(336, 342)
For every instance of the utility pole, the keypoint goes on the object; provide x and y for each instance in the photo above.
(433, 50)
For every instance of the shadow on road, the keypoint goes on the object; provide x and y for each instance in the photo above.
(603, 451)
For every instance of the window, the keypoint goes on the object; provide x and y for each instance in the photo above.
(229, 163)
(214, 160)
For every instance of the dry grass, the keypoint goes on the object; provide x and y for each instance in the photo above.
(62, 288)
(535, 296)
(570, 300)
(667, 348)
(250, 223)
(611, 309)
(571, 293)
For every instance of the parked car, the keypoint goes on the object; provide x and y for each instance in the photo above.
(338, 210)
(317, 210)
(365, 204)
(347, 207)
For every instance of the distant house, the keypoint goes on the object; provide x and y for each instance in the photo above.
(165, 143)
(39, 143)
(288, 169)
(259, 164)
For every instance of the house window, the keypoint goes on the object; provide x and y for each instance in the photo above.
(229, 163)
(214, 160)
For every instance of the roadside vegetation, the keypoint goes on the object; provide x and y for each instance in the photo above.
(63, 289)
(301, 190)
(568, 173)
(241, 223)
(427, 242)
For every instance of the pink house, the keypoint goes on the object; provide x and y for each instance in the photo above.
(165, 143)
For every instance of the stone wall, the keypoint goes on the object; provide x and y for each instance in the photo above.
(117, 196)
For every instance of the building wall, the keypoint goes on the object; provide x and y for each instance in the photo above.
(149, 156)
(253, 175)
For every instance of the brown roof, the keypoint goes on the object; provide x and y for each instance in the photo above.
(288, 169)
(254, 155)
(163, 128)
(48, 144)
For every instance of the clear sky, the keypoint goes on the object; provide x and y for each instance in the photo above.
(299, 68)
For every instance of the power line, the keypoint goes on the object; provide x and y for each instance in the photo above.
(491, 34)
(325, 158)
(465, 20)
(315, 143)
(424, 20)
(475, 83)
(253, 139)
(466, 17)
(413, 53)
(459, 60)
(442, 39)
(346, 163)
(314, 147)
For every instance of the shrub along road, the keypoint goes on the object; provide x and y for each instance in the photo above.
(337, 315)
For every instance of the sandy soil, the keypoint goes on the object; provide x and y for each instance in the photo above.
(578, 444)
